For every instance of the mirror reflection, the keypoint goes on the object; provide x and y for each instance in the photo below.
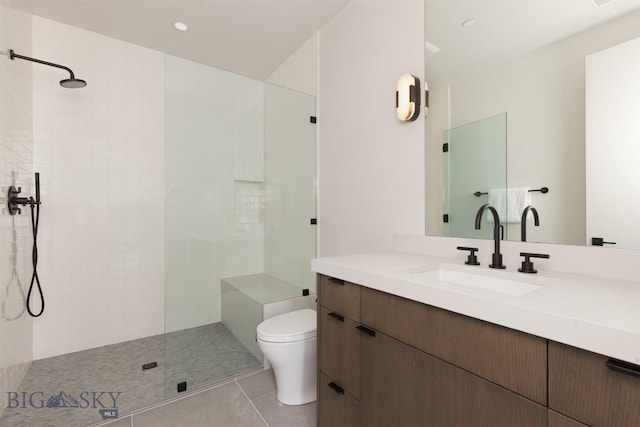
(547, 68)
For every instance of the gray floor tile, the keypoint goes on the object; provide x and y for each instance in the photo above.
(258, 385)
(224, 406)
(204, 354)
(199, 355)
(277, 414)
(123, 422)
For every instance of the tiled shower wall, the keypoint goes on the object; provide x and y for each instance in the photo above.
(16, 159)
(100, 152)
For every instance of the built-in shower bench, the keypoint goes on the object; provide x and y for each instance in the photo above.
(248, 300)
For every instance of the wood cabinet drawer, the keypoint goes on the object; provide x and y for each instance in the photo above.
(340, 296)
(512, 359)
(559, 420)
(336, 408)
(583, 387)
(340, 350)
(402, 386)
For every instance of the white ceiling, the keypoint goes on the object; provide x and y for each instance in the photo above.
(248, 37)
(253, 37)
(504, 30)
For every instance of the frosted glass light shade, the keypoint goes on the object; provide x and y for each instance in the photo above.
(408, 98)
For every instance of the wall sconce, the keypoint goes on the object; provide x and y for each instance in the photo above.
(408, 98)
(426, 100)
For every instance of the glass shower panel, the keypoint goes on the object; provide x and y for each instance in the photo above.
(240, 196)
(476, 162)
(213, 220)
(290, 173)
(436, 162)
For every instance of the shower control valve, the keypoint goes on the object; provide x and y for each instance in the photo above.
(13, 201)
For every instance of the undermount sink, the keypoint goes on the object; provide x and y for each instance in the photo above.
(487, 281)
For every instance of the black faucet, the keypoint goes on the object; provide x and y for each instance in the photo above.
(523, 222)
(496, 258)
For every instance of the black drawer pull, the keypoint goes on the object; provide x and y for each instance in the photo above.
(336, 281)
(336, 316)
(336, 387)
(366, 330)
(623, 367)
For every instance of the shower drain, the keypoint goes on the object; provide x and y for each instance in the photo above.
(149, 366)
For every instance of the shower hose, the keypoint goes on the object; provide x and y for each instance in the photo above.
(35, 219)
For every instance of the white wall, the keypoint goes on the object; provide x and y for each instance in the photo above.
(371, 166)
(16, 168)
(100, 152)
(543, 95)
(300, 71)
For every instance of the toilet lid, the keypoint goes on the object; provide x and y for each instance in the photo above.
(293, 326)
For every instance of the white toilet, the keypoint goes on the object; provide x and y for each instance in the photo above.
(288, 341)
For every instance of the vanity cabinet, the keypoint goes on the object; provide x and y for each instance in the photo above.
(403, 386)
(336, 408)
(583, 387)
(340, 350)
(338, 353)
(512, 359)
(340, 296)
(559, 420)
(404, 367)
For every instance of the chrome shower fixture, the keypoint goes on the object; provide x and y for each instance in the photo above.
(71, 82)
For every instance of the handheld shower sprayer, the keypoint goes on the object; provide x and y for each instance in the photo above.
(70, 83)
(14, 201)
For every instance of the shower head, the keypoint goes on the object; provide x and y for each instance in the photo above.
(71, 82)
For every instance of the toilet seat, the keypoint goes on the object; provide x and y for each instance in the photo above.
(289, 327)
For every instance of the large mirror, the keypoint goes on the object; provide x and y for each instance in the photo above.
(564, 76)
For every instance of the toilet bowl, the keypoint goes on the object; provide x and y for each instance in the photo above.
(288, 341)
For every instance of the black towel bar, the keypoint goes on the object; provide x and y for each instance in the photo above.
(542, 190)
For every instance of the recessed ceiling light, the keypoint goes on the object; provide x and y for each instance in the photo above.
(468, 23)
(180, 26)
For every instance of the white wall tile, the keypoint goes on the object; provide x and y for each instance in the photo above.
(16, 147)
(96, 144)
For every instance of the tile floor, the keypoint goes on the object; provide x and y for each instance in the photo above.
(245, 401)
(200, 356)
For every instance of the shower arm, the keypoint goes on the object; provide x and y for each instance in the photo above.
(14, 55)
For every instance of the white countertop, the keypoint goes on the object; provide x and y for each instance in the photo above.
(593, 313)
